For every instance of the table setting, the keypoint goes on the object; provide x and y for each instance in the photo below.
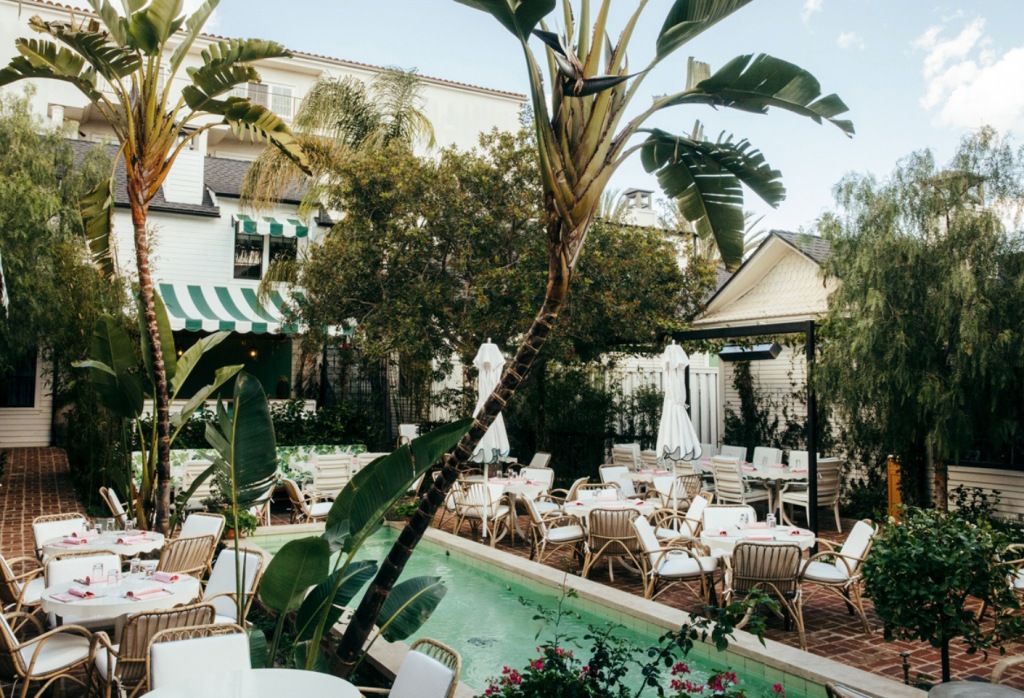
(722, 542)
(109, 594)
(124, 543)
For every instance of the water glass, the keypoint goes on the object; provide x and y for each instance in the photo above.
(744, 520)
(129, 525)
(135, 566)
(97, 573)
(99, 526)
(113, 577)
(110, 524)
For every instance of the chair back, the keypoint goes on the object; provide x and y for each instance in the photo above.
(618, 474)
(12, 662)
(543, 475)
(536, 520)
(611, 531)
(688, 486)
(203, 524)
(196, 651)
(331, 473)
(708, 450)
(737, 452)
(298, 502)
(594, 491)
(407, 432)
(829, 481)
(696, 511)
(221, 588)
(114, 504)
(626, 454)
(648, 540)
(10, 587)
(364, 459)
(575, 487)
(65, 569)
(187, 555)
(649, 459)
(430, 669)
(768, 566)
(729, 485)
(765, 456)
(798, 460)
(51, 526)
(541, 459)
(856, 545)
(138, 631)
(721, 516)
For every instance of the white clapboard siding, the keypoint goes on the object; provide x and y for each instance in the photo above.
(23, 427)
(1009, 483)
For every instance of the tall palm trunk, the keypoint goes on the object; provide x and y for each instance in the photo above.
(559, 274)
(140, 211)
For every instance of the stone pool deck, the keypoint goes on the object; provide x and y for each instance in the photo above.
(37, 481)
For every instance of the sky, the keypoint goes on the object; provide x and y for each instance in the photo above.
(915, 74)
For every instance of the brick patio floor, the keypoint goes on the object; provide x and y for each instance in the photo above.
(37, 481)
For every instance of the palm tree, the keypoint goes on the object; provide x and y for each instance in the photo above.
(153, 122)
(582, 139)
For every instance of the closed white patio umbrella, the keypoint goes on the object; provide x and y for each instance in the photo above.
(494, 446)
(677, 439)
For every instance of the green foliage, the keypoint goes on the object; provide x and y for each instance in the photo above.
(639, 416)
(923, 344)
(921, 573)
(246, 522)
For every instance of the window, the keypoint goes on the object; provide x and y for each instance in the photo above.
(277, 98)
(248, 256)
(18, 388)
(283, 248)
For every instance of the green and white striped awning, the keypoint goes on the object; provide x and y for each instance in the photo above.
(202, 308)
(265, 225)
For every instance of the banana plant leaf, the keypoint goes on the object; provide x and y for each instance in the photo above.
(374, 490)
(115, 369)
(97, 209)
(163, 325)
(297, 566)
(300, 653)
(688, 18)
(257, 647)
(409, 606)
(357, 574)
(518, 16)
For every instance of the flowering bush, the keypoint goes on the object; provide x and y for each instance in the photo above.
(722, 684)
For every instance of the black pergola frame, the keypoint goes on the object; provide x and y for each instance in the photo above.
(807, 328)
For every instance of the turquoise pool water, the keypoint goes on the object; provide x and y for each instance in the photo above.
(483, 618)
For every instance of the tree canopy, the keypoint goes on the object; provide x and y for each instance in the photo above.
(924, 345)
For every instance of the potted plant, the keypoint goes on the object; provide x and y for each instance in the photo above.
(245, 525)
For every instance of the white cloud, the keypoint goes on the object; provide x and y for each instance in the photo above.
(810, 8)
(967, 82)
(848, 40)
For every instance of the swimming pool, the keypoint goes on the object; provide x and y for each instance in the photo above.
(483, 617)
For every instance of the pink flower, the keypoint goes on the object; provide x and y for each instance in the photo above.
(537, 665)
(680, 668)
(778, 690)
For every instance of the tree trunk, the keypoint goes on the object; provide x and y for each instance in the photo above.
(945, 660)
(161, 399)
(359, 628)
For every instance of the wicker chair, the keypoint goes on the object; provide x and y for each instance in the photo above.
(221, 588)
(626, 454)
(614, 474)
(541, 474)
(122, 668)
(113, 503)
(737, 452)
(305, 508)
(47, 657)
(591, 491)
(193, 469)
(669, 524)
(196, 650)
(843, 574)
(673, 563)
(22, 589)
(772, 568)
(730, 487)
(187, 555)
(610, 535)
(554, 528)
(430, 669)
(485, 508)
(726, 516)
(765, 456)
(203, 523)
(829, 486)
(541, 459)
(51, 526)
(679, 490)
(561, 496)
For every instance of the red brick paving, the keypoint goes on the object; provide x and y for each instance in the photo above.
(37, 481)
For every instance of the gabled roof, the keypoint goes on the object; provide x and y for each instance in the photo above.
(817, 248)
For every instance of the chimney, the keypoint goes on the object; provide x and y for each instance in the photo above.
(186, 182)
(639, 211)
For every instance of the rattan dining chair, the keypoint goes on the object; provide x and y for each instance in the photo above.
(669, 564)
(306, 508)
(196, 650)
(115, 506)
(773, 569)
(51, 526)
(670, 524)
(47, 657)
(485, 508)
(222, 588)
(561, 496)
(829, 486)
(554, 528)
(840, 571)
(203, 523)
(122, 669)
(430, 669)
(611, 536)
(21, 583)
(730, 487)
(617, 474)
(187, 555)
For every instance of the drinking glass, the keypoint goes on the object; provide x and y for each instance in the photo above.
(129, 525)
(135, 566)
(113, 577)
(100, 526)
(97, 573)
(744, 520)
(110, 524)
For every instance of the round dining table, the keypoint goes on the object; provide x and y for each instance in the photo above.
(973, 689)
(259, 683)
(119, 542)
(113, 600)
(723, 543)
(582, 509)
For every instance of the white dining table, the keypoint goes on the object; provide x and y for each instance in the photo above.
(259, 683)
(108, 542)
(723, 544)
(111, 601)
(582, 509)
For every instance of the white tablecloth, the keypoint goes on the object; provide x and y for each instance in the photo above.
(581, 510)
(107, 542)
(110, 601)
(720, 545)
(259, 683)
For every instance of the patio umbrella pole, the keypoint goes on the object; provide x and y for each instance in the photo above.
(812, 437)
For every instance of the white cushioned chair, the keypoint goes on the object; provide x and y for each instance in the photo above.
(221, 589)
(429, 670)
(196, 651)
(841, 574)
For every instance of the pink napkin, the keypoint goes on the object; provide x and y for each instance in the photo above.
(65, 598)
(646, 471)
(81, 593)
(760, 536)
(758, 524)
(88, 535)
(166, 577)
(70, 540)
(132, 540)
(146, 592)
(638, 502)
(661, 472)
(723, 532)
(796, 532)
(581, 504)
(798, 470)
